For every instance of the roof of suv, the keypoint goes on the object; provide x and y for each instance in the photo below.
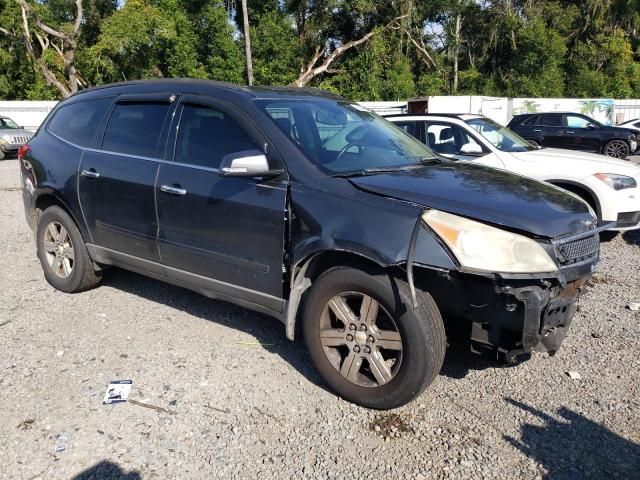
(459, 116)
(181, 83)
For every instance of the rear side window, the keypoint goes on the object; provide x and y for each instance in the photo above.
(533, 120)
(206, 135)
(135, 128)
(77, 123)
(552, 120)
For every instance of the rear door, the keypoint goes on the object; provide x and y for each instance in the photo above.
(116, 183)
(552, 126)
(225, 234)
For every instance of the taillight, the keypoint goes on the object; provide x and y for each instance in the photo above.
(22, 151)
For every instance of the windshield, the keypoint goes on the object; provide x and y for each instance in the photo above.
(341, 137)
(500, 137)
(8, 123)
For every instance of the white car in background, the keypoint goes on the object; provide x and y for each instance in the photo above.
(632, 124)
(608, 185)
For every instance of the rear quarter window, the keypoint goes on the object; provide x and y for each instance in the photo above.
(77, 123)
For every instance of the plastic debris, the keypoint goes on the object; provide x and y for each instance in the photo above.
(61, 442)
(574, 375)
(634, 306)
(117, 392)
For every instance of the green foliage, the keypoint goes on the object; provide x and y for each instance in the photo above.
(518, 48)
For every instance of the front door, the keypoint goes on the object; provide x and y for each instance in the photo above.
(579, 135)
(116, 182)
(552, 126)
(224, 234)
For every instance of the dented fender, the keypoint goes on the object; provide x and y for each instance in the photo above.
(389, 234)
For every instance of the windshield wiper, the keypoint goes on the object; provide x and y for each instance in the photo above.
(372, 171)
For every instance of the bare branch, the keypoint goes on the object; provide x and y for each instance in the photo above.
(26, 9)
(421, 48)
(7, 33)
(313, 71)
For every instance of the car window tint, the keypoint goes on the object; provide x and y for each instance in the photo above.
(637, 124)
(408, 127)
(77, 122)
(574, 121)
(533, 120)
(135, 128)
(206, 135)
(446, 138)
(552, 120)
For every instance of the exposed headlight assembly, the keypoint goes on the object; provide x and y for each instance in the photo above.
(480, 247)
(617, 182)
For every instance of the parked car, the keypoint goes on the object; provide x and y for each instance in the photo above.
(608, 185)
(304, 206)
(575, 132)
(12, 137)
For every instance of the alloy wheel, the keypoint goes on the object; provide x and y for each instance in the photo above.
(58, 249)
(616, 149)
(365, 347)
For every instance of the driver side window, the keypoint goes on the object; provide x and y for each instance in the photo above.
(574, 121)
(448, 139)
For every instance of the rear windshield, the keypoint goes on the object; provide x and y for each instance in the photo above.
(341, 137)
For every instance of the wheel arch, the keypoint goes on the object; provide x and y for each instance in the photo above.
(50, 198)
(308, 269)
(584, 192)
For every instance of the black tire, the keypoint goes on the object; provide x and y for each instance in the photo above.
(421, 331)
(533, 142)
(616, 148)
(2, 155)
(82, 275)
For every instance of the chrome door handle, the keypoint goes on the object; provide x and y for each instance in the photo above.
(173, 190)
(90, 173)
(569, 131)
(537, 129)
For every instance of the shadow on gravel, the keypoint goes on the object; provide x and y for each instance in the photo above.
(106, 470)
(574, 447)
(632, 237)
(267, 330)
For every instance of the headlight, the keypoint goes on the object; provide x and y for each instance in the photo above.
(481, 247)
(4, 140)
(617, 182)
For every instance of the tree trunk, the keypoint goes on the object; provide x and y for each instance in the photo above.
(456, 52)
(247, 42)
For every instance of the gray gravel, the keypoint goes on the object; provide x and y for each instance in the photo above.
(240, 401)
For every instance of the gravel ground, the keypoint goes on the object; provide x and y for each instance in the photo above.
(238, 400)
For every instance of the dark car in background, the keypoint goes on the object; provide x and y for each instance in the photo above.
(12, 137)
(576, 132)
(307, 207)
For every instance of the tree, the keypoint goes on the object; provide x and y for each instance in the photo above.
(247, 41)
(55, 50)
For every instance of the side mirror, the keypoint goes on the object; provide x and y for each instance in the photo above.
(247, 163)
(591, 125)
(471, 149)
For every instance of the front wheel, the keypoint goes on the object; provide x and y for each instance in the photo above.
(368, 342)
(616, 149)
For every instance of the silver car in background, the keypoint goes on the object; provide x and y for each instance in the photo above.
(12, 137)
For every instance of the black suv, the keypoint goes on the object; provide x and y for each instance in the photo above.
(574, 131)
(302, 205)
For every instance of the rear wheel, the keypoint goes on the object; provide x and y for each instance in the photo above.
(368, 342)
(63, 253)
(616, 149)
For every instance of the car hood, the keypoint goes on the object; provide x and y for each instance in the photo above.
(581, 162)
(485, 194)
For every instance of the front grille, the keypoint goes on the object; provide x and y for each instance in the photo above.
(20, 139)
(573, 251)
